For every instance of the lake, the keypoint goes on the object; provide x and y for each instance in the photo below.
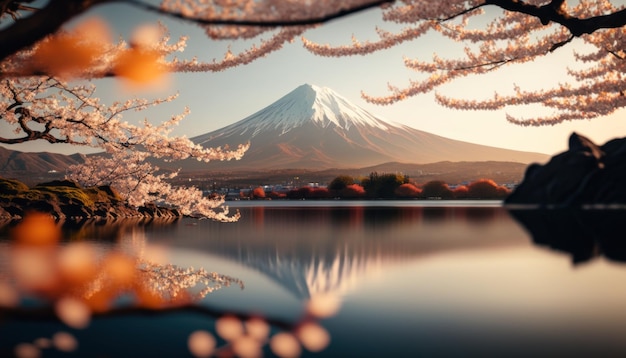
(374, 279)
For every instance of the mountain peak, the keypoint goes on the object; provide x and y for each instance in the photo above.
(309, 104)
(329, 107)
(309, 89)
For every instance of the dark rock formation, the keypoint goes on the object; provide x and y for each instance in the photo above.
(583, 234)
(153, 211)
(584, 175)
(66, 200)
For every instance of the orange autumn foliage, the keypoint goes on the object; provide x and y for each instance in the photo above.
(487, 189)
(408, 191)
(258, 192)
(461, 192)
(353, 191)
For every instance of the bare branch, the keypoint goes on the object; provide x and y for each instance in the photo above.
(561, 44)
(612, 52)
(466, 11)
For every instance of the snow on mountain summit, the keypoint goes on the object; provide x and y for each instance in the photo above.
(314, 127)
(328, 106)
(305, 104)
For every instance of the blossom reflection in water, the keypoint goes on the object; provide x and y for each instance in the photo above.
(77, 282)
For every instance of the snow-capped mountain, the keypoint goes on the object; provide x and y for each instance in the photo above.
(315, 128)
(305, 105)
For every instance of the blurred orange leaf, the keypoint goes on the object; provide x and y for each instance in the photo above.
(68, 54)
(139, 65)
(36, 229)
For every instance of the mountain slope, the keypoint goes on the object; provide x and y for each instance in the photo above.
(316, 128)
(12, 161)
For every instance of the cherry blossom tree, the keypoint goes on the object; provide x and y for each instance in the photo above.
(521, 32)
(524, 31)
(50, 108)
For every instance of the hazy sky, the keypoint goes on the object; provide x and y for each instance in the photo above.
(219, 99)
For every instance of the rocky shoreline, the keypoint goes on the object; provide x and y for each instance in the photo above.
(65, 200)
(587, 175)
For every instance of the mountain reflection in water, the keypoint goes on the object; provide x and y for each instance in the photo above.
(321, 250)
(442, 281)
(410, 280)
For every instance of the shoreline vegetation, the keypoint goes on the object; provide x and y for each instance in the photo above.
(67, 201)
(385, 186)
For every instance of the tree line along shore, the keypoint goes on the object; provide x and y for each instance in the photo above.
(382, 186)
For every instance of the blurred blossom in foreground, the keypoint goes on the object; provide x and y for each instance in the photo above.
(323, 305)
(285, 345)
(313, 336)
(26, 350)
(8, 296)
(81, 281)
(36, 229)
(229, 328)
(73, 312)
(257, 328)
(246, 337)
(62, 341)
(201, 344)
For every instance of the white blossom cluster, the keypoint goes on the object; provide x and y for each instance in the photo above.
(50, 109)
(138, 183)
(513, 37)
(267, 11)
(245, 57)
(171, 281)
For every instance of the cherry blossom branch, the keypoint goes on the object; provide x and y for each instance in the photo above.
(304, 21)
(560, 44)
(553, 12)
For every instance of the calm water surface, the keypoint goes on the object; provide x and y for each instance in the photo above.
(446, 279)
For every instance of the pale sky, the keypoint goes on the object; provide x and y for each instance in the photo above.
(220, 99)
